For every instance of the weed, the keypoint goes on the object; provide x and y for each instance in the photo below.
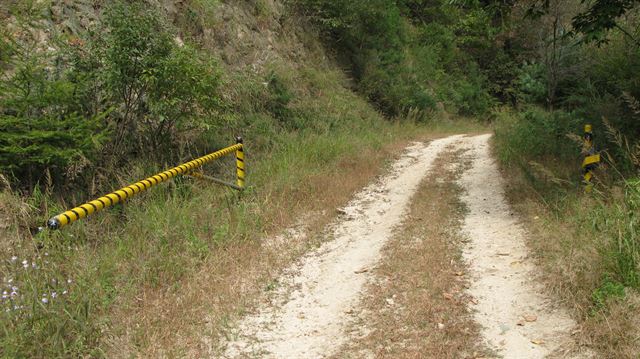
(587, 244)
(607, 290)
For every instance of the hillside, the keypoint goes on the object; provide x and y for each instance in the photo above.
(95, 95)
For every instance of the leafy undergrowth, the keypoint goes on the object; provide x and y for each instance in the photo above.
(587, 244)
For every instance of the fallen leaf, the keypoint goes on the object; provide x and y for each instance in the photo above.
(459, 274)
(474, 301)
(537, 341)
(447, 296)
(363, 270)
(530, 318)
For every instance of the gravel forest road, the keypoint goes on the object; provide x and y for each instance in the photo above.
(316, 298)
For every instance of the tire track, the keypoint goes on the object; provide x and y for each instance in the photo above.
(518, 319)
(307, 319)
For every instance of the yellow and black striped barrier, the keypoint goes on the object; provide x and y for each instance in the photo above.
(240, 164)
(122, 194)
(591, 159)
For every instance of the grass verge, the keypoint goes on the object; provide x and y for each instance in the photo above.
(587, 244)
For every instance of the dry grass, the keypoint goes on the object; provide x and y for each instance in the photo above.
(187, 318)
(572, 255)
(417, 308)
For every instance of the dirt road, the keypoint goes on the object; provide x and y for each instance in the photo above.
(313, 304)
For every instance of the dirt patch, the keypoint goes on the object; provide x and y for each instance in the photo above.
(307, 316)
(418, 303)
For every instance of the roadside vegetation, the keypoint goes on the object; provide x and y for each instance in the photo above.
(582, 69)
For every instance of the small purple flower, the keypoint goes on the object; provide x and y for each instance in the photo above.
(14, 258)
(45, 300)
(54, 295)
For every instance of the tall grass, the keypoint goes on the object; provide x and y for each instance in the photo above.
(588, 244)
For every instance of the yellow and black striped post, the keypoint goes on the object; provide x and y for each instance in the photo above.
(591, 159)
(122, 194)
(240, 169)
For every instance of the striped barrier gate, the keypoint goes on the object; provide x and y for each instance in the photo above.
(187, 169)
(591, 159)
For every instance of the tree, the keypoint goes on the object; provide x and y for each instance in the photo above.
(593, 23)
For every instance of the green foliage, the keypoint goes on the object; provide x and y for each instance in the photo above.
(609, 289)
(163, 88)
(531, 83)
(279, 99)
(600, 17)
(406, 55)
(127, 87)
(46, 142)
(42, 126)
(535, 135)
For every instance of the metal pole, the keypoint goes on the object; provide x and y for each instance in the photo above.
(591, 160)
(122, 194)
(240, 165)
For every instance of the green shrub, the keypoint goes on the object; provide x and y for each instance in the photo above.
(609, 289)
(279, 99)
(42, 122)
(163, 88)
(531, 83)
(124, 89)
(536, 134)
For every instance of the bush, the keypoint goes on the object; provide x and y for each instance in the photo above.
(162, 88)
(42, 122)
(124, 90)
(536, 134)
